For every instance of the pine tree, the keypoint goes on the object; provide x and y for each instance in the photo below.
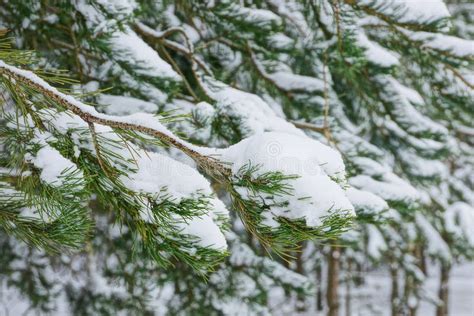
(188, 157)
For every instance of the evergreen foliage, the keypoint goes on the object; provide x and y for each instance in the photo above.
(214, 157)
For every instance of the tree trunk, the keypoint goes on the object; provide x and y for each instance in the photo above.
(300, 304)
(443, 291)
(422, 259)
(348, 287)
(319, 287)
(333, 282)
(394, 297)
(358, 278)
(410, 289)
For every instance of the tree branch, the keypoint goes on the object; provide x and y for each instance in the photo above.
(211, 165)
(309, 126)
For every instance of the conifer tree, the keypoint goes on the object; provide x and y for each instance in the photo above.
(223, 157)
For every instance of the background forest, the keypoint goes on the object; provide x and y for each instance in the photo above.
(252, 157)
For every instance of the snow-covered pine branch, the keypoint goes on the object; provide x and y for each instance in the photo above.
(282, 197)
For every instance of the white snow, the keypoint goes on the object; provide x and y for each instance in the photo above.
(459, 220)
(125, 7)
(164, 177)
(152, 93)
(390, 187)
(63, 121)
(263, 18)
(204, 110)
(123, 105)
(154, 172)
(256, 115)
(403, 99)
(376, 244)
(137, 119)
(315, 193)
(424, 145)
(205, 228)
(445, 43)
(436, 245)
(373, 297)
(375, 53)
(421, 167)
(410, 11)
(291, 11)
(369, 166)
(54, 166)
(409, 94)
(144, 59)
(288, 81)
(280, 41)
(366, 202)
(320, 162)
(258, 17)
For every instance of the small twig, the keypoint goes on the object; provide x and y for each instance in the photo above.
(97, 150)
(76, 54)
(326, 99)
(71, 47)
(262, 72)
(336, 9)
(327, 129)
(458, 75)
(309, 126)
(176, 68)
(146, 31)
(188, 52)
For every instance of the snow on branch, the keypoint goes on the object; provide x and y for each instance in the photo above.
(280, 203)
(139, 122)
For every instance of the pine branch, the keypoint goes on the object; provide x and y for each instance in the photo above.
(89, 115)
(188, 52)
(311, 127)
(390, 20)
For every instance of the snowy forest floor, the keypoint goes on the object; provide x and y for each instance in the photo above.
(371, 299)
(461, 288)
(374, 298)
